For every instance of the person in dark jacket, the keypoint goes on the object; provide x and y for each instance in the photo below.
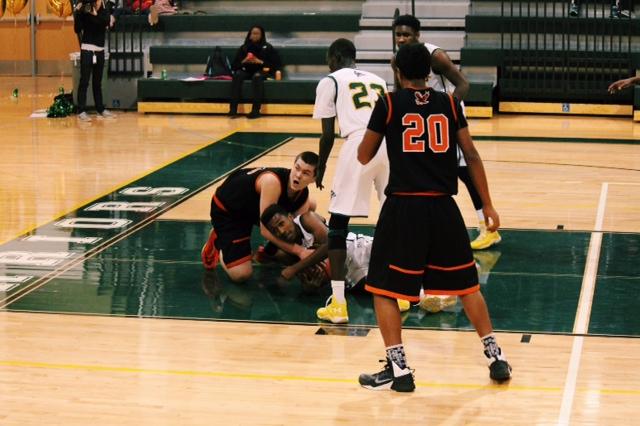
(256, 60)
(90, 21)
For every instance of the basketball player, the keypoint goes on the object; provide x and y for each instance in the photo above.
(420, 238)
(236, 207)
(447, 78)
(347, 94)
(310, 231)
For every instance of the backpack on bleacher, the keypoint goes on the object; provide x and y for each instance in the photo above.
(218, 65)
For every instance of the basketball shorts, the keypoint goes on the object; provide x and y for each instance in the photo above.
(233, 237)
(421, 242)
(352, 182)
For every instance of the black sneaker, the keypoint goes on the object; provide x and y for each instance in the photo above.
(500, 371)
(253, 114)
(385, 379)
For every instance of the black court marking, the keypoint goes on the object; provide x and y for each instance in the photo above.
(343, 331)
(526, 338)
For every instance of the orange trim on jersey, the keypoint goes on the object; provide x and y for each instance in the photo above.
(464, 292)
(219, 204)
(262, 174)
(453, 108)
(239, 240)
(406, 271)
(452, 268)
(389, 108)
(237, 262)
(420, 194)
(390, 294)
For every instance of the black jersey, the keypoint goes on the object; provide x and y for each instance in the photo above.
(240, 198)
(420, 127)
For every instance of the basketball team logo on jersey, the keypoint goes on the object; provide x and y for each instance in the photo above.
(421, 98)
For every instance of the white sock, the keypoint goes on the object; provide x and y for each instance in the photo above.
(480, 215)
(337, 288)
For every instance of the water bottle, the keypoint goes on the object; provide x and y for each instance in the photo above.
(163, 74)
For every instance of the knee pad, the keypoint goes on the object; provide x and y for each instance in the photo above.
(338, 230)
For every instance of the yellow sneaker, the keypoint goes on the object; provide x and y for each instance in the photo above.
(334, 312)
(435, 304)
(485, 239)
(486, 260)
(404, 305)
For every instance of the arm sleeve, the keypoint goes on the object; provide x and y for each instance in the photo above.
(325, 105)
(237, 61)
(378, 120)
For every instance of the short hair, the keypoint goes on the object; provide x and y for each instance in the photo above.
(270, 212)
(414, 61)
(407, 20)
(342, 48)
(311, 158)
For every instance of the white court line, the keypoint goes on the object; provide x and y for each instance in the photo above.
(581, 324)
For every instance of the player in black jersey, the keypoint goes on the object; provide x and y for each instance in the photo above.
(420, 238)
(236, 207)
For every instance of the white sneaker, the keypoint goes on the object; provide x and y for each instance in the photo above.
(106, 114)
(83, 116)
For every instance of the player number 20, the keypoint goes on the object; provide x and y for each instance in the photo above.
(438, 132)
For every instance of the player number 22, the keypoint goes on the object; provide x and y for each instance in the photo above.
(438, 131)
(360, 95)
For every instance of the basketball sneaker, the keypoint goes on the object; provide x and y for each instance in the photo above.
(210, 254)
(334, 312)
(485, 239)
(391, 377)
(499, 368)
(404, 305)
(434, 304)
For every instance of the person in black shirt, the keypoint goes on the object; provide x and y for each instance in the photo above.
(90, 21)
(420, 239)
(238, 203)
(256, 60)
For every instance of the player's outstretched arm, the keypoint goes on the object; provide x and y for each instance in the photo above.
(476, 170)
(623, 84)
(369, 146)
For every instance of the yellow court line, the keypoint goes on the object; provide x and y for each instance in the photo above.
(120, 185)
(221, 374)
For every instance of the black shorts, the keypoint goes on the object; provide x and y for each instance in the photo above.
(233, 236)
(421, 241)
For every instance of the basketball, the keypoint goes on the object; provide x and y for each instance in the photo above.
(315, 277)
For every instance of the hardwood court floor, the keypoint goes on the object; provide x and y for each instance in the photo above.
(108, 369)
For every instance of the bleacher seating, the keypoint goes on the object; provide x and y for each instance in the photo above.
(535, 52)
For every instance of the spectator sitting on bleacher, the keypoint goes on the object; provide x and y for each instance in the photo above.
(618, 10)
(256, 59)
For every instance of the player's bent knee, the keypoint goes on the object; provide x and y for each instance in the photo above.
(240, 273)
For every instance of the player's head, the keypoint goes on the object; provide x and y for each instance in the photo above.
(255, 35)
(303, 171)
(280, 223)
(413, 62)
(406, 29)
(341, 54)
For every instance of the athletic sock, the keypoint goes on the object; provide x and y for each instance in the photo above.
(396, 355)
(480, 214)
(337, 287)
(491, 348)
